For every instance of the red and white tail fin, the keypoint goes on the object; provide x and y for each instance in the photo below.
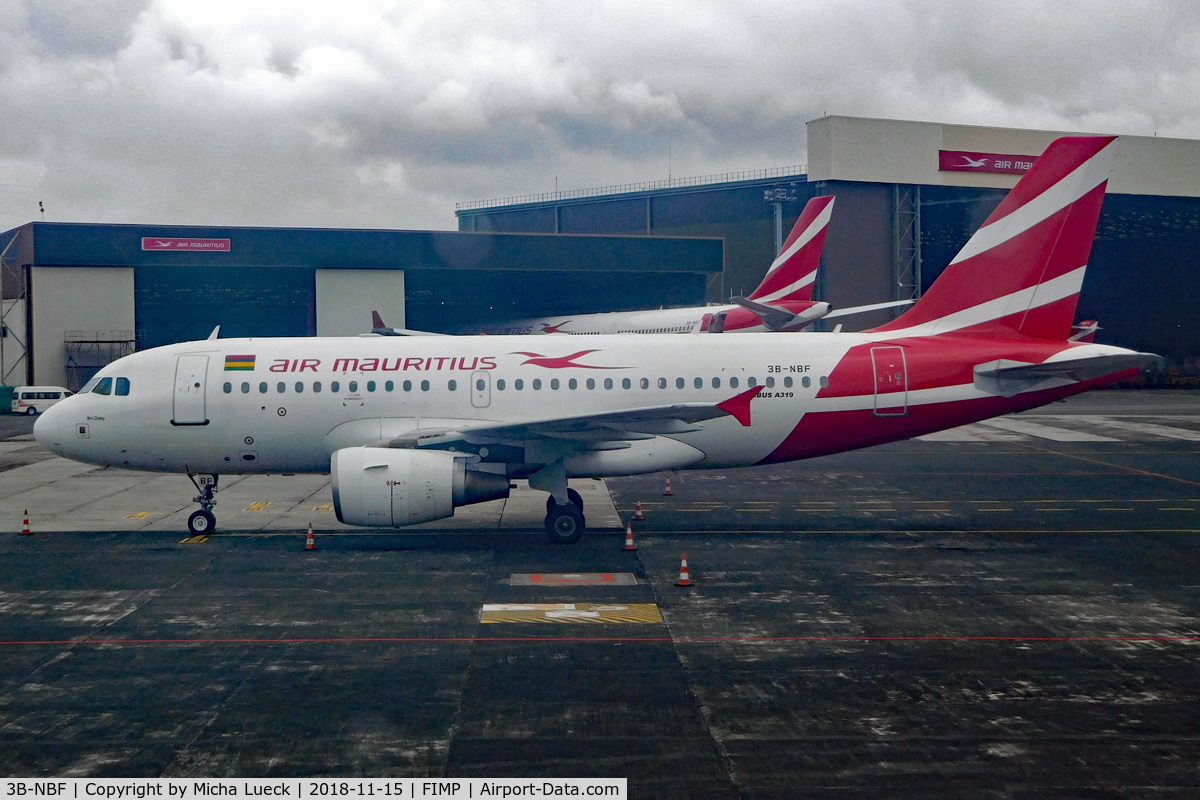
(1022, 270)
(794, 270)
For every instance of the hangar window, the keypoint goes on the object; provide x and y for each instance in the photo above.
(500, 384)
(770, 383)
(591, 383)
(353, 386)
(679, 383)
(299, 387)
(316, 386)
(608, 384)
(806, 382)
(787, 382)
(262, 388)
(424, 386)
(698, 383)
(408, 386)
(537, 383)
(554, 384)
(452, 385)
(518, 384)
(716, 382)
(122, 387)
(572, 384)
(104, 386)
(281, 387)
(389, 386)
(228, 387)
(733, 383)
(334, 386)
(245, 387)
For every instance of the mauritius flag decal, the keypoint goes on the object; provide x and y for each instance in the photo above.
(237, 363)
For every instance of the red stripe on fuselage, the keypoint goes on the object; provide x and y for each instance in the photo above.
(821, 433)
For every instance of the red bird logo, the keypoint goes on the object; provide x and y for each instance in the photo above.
(554, 328)
(560, 362)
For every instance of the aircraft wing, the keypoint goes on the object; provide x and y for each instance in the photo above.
(1007, 378)
(778, 319)
(845, 312)
(592, 431)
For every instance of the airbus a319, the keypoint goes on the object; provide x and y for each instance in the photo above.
(410, 428)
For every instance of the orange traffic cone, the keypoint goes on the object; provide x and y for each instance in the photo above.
(667, 491)
(25, 527)
(684, 580)
(629, 545)
(637, 510)
(311, 542)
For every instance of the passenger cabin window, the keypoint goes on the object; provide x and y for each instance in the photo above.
(228, 387)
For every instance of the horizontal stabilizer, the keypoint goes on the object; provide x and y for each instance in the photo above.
(780, 319)
(379, 329)
(1008, 378)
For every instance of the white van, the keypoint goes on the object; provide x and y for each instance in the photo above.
(35, 399)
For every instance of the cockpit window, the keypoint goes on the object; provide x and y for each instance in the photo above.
(87, 387)
(104, 386)
(122, 387)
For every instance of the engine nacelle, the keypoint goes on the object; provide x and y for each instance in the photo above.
(382, 487)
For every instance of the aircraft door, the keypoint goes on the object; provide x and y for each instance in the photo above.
(891, 381)
(190, 377)
(481, 389)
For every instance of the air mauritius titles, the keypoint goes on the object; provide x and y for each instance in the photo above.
(434, 364)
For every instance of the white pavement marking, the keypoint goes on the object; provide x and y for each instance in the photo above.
(1128, 424)
(1052, 433)
(973, 432)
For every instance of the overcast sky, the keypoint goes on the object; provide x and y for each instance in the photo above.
(361, 113)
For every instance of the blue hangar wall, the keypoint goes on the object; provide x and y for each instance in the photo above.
(264, 284)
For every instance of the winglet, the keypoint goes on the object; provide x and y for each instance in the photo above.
(376, 320)
(738, 406)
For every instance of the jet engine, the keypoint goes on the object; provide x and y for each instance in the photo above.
(382, 487)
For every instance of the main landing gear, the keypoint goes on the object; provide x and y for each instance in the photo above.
(203, 521)
(564, 506)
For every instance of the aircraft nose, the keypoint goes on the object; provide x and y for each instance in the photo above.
(53, 428)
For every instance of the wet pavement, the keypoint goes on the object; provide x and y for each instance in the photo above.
(1009, 611)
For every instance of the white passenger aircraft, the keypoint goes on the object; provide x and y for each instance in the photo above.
(782, 302)
(411, 428)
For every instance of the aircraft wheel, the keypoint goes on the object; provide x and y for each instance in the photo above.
(564, 524)
(202, 522)
(31, 411)
(574, 497)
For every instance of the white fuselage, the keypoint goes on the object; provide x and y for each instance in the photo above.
(285, 405)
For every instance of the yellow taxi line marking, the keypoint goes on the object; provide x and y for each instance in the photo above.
(138, 515)
(194, 540)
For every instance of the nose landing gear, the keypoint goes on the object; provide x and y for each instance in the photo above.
(203, 521)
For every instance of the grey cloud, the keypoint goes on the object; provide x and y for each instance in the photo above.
(359, 114)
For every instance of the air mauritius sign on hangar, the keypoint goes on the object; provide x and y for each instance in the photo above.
(205, 245)
(961, 161)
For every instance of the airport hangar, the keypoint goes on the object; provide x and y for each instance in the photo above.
(909, 195)
(83, 295)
